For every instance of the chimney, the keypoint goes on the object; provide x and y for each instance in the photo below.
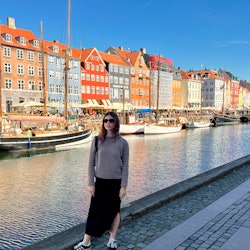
(11, 22)
(143, 50)
(120, 47)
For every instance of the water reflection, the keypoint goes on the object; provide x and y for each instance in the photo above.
(46, 192)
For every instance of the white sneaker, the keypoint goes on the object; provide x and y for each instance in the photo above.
(112, 244)
(82, 245)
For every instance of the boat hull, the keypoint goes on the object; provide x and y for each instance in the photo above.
(45, 141)
(223, 121)
(130, 129)
(158, 129)
(198, 124)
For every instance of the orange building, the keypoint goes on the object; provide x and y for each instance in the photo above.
(139, 76)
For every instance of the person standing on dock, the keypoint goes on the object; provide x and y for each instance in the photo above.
(108, 179)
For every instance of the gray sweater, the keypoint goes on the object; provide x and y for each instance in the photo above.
(110, 161)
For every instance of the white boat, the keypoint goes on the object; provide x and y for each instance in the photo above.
(129, 129)
(198, 124)
(161, 129)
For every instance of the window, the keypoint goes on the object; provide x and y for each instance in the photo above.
(75, 64)
(31, 56)
(87, 89)
(51, 59)
(22, 40)
(31, 85)
(97, 90)
(88, 77)
(87, 66)
(98, 78)
(8, 38)
(40, 72)
(92, 77)
(31, 71)
(20, 69)
(92, 89)
(7, 68)
(70, 89)
(8, 83)
(83, 89)
(82, 76)
(7, 51)
(51, 73)
(97, 67)
(39, 57)
(115, 68)
(21, 99)
(75, 90)
(19, 54)
(40, 86)
(36, 43)
(92, 67)
(20, 84)
(55, 49)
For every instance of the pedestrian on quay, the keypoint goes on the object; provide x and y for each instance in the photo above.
(107, 182)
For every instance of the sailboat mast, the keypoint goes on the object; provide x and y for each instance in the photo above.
(1, 107)
(223, 97)
(201, 93)
(158, 93)
(44, 75)
(67, 68)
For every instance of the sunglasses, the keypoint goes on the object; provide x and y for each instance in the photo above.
(108, 120)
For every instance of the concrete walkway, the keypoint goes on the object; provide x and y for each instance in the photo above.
(224, 225)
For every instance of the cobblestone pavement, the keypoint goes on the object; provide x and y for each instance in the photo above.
(219, 230)
(141, 231)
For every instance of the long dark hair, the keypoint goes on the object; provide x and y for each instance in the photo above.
(103, 132)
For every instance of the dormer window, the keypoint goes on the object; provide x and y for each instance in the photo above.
(21, 40)
(7, 37)
(35, 43)
(55, 49)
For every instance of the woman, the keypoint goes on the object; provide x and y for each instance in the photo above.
(108, 179)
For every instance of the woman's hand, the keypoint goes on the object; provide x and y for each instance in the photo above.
(122, 192)
(91, 190)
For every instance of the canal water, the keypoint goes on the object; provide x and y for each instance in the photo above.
(46, 193)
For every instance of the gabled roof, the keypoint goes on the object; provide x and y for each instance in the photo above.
(114, 59)
(128, 56)
(86, 53)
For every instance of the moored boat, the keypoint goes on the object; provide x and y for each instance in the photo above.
(162, 128)
(198, 124)
(129, 129)
(48, 133)
(222, 120)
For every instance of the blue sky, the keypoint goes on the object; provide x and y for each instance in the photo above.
(193, 33)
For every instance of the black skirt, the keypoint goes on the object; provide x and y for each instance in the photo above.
(104, 206)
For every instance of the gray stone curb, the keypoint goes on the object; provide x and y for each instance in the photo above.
(68, 238)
